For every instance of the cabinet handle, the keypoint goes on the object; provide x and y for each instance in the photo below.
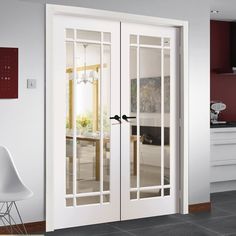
(224, 132)
(221, 144)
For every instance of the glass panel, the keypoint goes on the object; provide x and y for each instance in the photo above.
(166, 42)
(150, 118)
(150, 193)
(69, 166)
(167, 116)
(150, 40)
(70, 33)
(87, 117)
(133, 195)
(133, 112)
(88, 35)
(69, 118)
(106, 115)
(167, 192)
(87, 200)
(69, 202)
(133, 39)
(106, 198)
(107, 37)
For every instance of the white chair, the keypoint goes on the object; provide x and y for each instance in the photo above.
(12, 190)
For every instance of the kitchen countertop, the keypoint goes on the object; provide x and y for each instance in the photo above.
(228, 124)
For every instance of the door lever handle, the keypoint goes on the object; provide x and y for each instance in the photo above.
(116, 117)
(126, 118)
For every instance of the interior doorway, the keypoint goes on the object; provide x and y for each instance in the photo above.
(115, 120)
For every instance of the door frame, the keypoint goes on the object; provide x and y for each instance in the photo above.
(55, 10)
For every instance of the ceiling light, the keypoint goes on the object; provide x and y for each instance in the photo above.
(214, 11)
(87, 77)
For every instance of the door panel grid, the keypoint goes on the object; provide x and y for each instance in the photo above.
(149, 180)
(89, 57)
(83, 127)
(135, 50)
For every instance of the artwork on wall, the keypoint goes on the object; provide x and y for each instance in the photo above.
(8, 73)
(150, 95)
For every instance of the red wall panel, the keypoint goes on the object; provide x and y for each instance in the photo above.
(8, 73)
(223, 87)
(220, 46)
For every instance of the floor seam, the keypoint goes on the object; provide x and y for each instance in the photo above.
(212, 218)
(155, 226)
(223, 202)
(216, 218)
(219, 208)
(229, 234)
(232, 194)
(122, 230)
(203, 227)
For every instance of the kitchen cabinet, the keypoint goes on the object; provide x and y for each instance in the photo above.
(223, 159)
(220, 47)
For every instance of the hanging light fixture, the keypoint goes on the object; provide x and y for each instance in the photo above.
(93, 75)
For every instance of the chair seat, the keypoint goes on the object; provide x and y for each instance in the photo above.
(14, 196)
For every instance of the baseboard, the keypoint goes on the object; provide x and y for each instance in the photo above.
(201, 207)
(40, 227)
(34, 227)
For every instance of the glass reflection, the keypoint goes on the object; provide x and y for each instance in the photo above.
(84, 104)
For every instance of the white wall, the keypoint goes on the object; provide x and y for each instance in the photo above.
(22, 120)
(22, 24)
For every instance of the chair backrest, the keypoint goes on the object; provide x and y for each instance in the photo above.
(9, 177)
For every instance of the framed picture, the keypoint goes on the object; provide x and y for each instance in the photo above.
(150, 95)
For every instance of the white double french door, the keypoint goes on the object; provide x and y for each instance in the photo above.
(115, 107)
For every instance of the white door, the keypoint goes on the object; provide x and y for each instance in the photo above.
(149, 137)
(87, 133)
(86, 146)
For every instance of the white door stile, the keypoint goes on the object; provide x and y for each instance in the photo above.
(163, 205)
(65, 217)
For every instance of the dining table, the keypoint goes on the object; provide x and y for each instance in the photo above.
(106, 140)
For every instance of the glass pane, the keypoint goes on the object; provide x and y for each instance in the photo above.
(87, 200)
(69, 118)
(106, 79)
(167, 192)
(166, 42)
(167, 116)
(106, 198)
(150, 117)
(69, 202)
(70, 33)
(133, 112)
(107, 37)
(150, 40)
(69, 166)
(133, 195)
(88, 35)
(150, 193)
(133, 39)
(87, 117)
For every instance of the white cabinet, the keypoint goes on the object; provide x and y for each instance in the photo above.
(223, 159)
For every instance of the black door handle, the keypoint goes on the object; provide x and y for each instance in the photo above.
(124, 117)
(116, 117)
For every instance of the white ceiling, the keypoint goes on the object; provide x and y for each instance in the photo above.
(226, 8)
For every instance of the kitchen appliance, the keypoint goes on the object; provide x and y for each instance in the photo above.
(216, 108)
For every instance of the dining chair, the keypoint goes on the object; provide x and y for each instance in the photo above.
(12, 190)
